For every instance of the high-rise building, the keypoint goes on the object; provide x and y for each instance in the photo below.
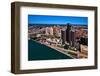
(50, 31)
(69, 38)
(84, 40)
(57, 31)
(46, 31)
(63, 36)
(73, 38)
(68, 33)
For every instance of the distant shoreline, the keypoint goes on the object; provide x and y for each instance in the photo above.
(57, 25)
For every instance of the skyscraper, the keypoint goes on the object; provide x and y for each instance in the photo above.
(63, 36)
(68, 33)
(73, 38)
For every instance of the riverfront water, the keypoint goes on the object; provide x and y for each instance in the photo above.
(37, 51)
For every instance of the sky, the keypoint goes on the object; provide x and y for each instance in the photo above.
(50, 19)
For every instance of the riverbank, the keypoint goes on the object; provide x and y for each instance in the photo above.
(38, 51)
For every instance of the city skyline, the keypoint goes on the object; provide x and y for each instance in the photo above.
(68, 40)
(65, 35)
(50, 19)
